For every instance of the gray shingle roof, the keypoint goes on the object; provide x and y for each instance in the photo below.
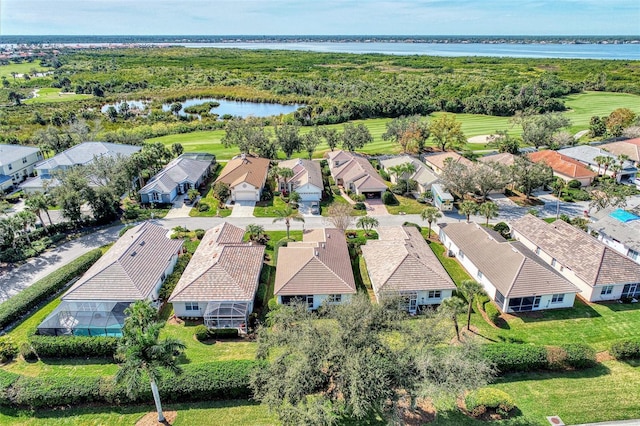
(588, 258)
(180, 170)
(85, 152)
(401, 260)
(512, 268)
(320, 264)
(627, 233)
(130, 269)
(587, 154)
(423, 175)
(304, 171)
(11, 153)
(223, 268)
(358, 170)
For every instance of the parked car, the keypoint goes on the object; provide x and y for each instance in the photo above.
(315, 207)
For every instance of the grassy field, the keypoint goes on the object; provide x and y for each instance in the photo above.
(21, 68)
(583, 106)
(406, 205)
(54, 95)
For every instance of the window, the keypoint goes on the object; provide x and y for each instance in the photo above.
(335, 298)
(24, 160)
(538, 251)
(633, 254)
(310, 301)
(553, 262)
(191, 306)
(435, 294)
(557, 298)
(607, 289)
(10, 166)
(631, 290)
(155, 196)
(499, 299)
(479, 275)
(460, 254)
(520, 304)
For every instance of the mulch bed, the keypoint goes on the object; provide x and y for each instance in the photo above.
(424, 412)
(151, 419)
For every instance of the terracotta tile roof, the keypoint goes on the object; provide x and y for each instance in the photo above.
(591, 260)
(438, 159)
(401, 260)
(512, 268)
(562, 164)
(304, 172)
(130, 269)
(223, 268)
(320, 264)
(628, 147)
(252, 170)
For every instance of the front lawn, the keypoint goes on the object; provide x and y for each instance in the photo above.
(338, 199)
(208, 199)
(406, 205)
(268, 208)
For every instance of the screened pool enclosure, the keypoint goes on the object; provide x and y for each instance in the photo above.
(85, 319)
(227, 315)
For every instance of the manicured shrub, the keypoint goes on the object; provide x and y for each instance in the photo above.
(27, 352)
(492, 312)
(626, 349)
(203, 207)
(171, 281)
(54, 391)
(389, 199)
(579, 355)
(7, 379)
(8, 349)
(484, 399)
(202, 333)
(224, 333)
(199, 233)
(503, 229)
(574, 184)
(359, 206)
(41, 290)
(509, 357)
(74, 346)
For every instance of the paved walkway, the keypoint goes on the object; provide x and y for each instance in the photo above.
(243, 209)
(179, 209)
(375, 207)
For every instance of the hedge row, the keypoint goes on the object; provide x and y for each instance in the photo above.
(510, 357)
(74, 346)
(626, 349)
(206, 381)
(14, 308)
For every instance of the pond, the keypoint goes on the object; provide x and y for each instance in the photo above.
(239, 108)
(139, 105)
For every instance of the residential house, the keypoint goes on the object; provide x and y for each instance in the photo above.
(316, 270)
(306, 180)
(587, 155)
(618, 229)
(600, 272)
(629, 147)
(16, 164)
(220, 282)
(133, 269)
(423, 175)
(176, 178)
(401, 263)
(512, 275)
(355, 174)
(438, 160)
(78, 155)
(246, 177)
(566, 168)
(504, 158)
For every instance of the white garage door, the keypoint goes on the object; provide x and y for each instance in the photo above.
(309, 196)
(245, 195)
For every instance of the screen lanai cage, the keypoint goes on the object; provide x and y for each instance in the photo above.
(85, 319)
(227, 315)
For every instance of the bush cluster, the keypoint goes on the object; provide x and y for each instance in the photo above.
(224, 333)
(513, 357)
(74, 346)
(626, 349)
(206, 381)
(41, 290)
(359, 206)
(481, 400)
(492, 312)
(8, 349)
(203, 207)
(171, 281)
(389, 199)
(201, 332)
(578, 355)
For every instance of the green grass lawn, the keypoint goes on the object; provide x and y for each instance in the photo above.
(451, 264)
(407, 205)
(583, 106)
(50, 94)
(268, 208)
(21, 68)
(337, 199)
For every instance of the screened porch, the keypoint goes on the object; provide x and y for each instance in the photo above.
(227, 315)
(89, 319)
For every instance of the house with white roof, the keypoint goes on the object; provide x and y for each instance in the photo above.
(587, 154)
(618, 229)
(401, 264)
(133, 269)
(16, 164)
(600, 272)
(355, 174)
(246, 177)
(176, 178)
(220, 282)
(423, 175)
(306, 180)
(511, 274)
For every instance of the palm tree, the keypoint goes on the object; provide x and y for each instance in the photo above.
(452, 307)
(397, 171)
(256, 232)
(489, 209)
(600, 160)
(470, 289)
(288, 214)
(367, 223)
(607, 162)
(283, 173)
(408, 169)
(37, 203)
(26, 219)
(616, 168)
(144, 354)
(9, 226)
(430, 214)
(467, 208)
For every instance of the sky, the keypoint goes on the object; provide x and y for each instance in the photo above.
(320, 17)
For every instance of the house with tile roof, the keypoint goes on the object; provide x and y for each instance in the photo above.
(16, 164)
(504, 158)
(356, 174)
(78, 155)
(423, 175)
(629, 147)
(438, 160)
(246, 176)
(306, 180)
(220, 282)
(512, 275)
(316, 270)
(600, 272)
(618, 229)
(587, 154)
(564, 167)
(176, 178)
(133, 269)
(401, 263)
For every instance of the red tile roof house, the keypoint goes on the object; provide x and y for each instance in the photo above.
(246, 176)
(597, 270)
(564, 167)
(401, 263)
(134, 268)
(315, 270)
(356, 174)
(511, 274)
(220, 282)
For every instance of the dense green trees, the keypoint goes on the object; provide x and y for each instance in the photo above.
(447, 132)
(528, 175)
(411, 133)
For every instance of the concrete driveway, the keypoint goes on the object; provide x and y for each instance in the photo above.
(243, 209)
(179, 209)
(375, 207)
